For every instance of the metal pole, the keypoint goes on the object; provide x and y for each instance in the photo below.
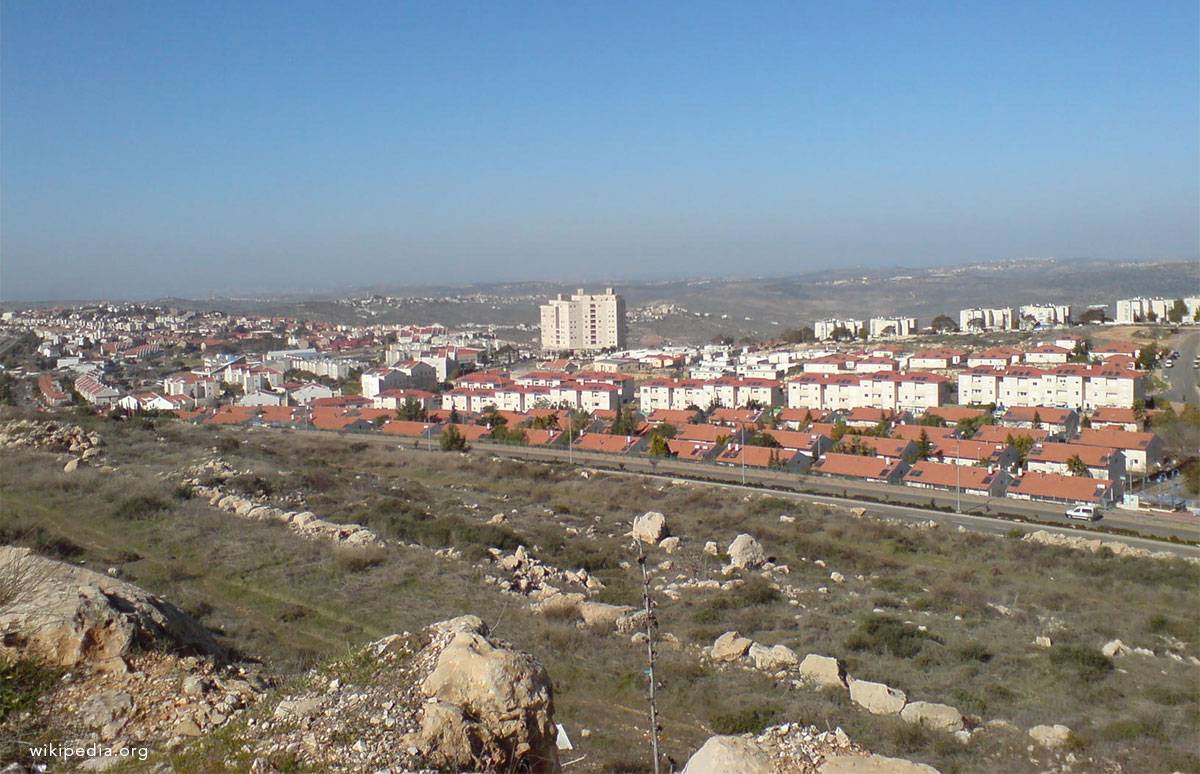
(651, 625)
(570, 442)
(957, 476)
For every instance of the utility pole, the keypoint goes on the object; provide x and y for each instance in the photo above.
(570, 443)
(651, 654)
(957, 476)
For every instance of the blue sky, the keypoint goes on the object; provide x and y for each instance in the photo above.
(154, 148)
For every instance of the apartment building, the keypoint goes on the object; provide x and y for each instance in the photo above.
(584, 322)
(824, 330)
(895, 391)
(727, 392)
(986, 320)
(1044, 315)
(1079, 387)
(1136, 310)
(885, 327)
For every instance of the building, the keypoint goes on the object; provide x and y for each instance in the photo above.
(863, 468)
(1044, 315)
(1143, 451)
(1136, 310)
(584, 322)
(984, 482)
(1052, 487)
(96, 392)
(986, 320)
(1100, 462)
(824, 330)
(884, 327)
(1075, 386)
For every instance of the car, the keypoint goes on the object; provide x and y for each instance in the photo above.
(1169, 364)
(1083, 513)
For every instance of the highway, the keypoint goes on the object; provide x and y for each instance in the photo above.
(1182, 376)
(990, 515)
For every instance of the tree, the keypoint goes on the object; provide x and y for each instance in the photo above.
(1147, 357)
(1023, 444)
(773, 461)
(453, 440)
(625, 423)
(1095, 315)
(839, 430)
(798, 335)
(412, 411)
(663, 430)
(1077, 467)
(763, 439)
(491, 417)
(924, 445)
(506, 434)
(942, 324)
(659, 447)
(1037, 420)
(722, 340)
(1177, 311)
(932, 420)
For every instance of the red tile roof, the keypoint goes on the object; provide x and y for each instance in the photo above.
(855, 466)
(1054, 486)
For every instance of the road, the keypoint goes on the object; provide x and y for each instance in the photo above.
(995, 516)
(1182, 376)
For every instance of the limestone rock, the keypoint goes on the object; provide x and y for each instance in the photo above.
(823, 670)
(730, 646)
(72, 615)
(296, 709)
(746, 552)
(872, 764)
(1115, 648)
(877, 698)
(772, 659)
(1050, 736)
(939, 717)
(492, 708)
(601, 615)
(650, 527)
(730, 755)
(710, 548)
(1043, 642)
(670, 545)
(105, 708)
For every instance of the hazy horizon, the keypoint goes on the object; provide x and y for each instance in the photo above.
(154, 150)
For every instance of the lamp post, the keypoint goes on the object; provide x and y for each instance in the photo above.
(743, 464)
(957, 475)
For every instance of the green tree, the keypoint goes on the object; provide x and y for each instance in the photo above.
(773, 461)
(1077, 467)
(1037, 420)
(943, 323)
(839, 430)
(453, 440)
(1092, 316)
(924, 445)
(1023, 444)
(1177, 311)
(799, 335)
(932, 420)
(625, 423)
(659, 447)
(412, 411)
(663, 430)
(506, 434)
(763, 439)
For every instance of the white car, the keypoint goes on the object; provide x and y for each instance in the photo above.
(1083, 513)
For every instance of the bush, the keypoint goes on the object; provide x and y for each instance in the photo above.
(140, 507)
(749, 720)
(884, 634)
(1088, 665)
(22, 683)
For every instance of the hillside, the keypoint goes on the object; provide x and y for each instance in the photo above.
(297, 549)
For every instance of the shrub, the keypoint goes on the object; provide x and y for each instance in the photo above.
(140, 507)
(357, 558)
(884, 634)
(749, 720)
(1089, 665)
(22, 683)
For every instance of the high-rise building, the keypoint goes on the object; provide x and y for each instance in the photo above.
(584, 322)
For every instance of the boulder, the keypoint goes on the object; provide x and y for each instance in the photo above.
(490, 708)
(877, 698)
(69, 616)
(730, 646)
(939, 717)
(745, 552)
(872, 764)
(837, 577)
(670, 545)
(650, 527)
(73, 465)
(730, 755)
(1115, 648)
(772, 659)
(1043, 641)
(710, 548)
(601, 615)
(1050, 736)
(823, 670)
(104, 708)
(296, 709)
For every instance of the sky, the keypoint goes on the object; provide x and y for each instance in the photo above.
(152, 148)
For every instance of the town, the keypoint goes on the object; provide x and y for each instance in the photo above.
(1067, 412)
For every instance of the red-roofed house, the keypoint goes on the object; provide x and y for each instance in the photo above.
(1143, 451)
(984, 482)
(862, 468)
(611, 444)
(1101, 462)
(695, 451)
(1061, 422)
(765, 458)
(884, 448)
(1106, 418)
(1062, 489)
(969, 452)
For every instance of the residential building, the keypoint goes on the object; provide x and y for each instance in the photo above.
(1143, 451)
(764, 458)
(970, 453)
(863, 468)
(1137, 310)
(982, 482)
(1053, 487)
(1100, 462)
(1062, 423)
(824, 330)
(885, 327)
(1080, 387)
(584, 322)
(1044, 315)
(1047, 354)
(986, 320)
(95, 391)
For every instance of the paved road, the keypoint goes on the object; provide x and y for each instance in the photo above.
(1183, 377)
(978, 513)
